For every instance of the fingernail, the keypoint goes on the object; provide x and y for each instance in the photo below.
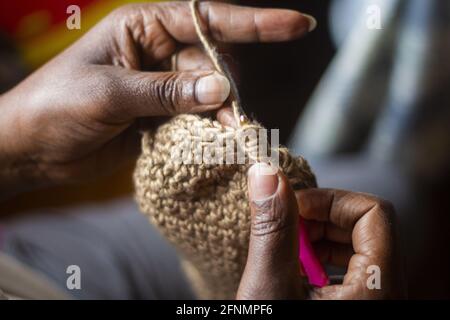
(262, 182)
(212, 89)
(312, 22)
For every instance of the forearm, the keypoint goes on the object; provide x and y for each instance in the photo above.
(14, 171)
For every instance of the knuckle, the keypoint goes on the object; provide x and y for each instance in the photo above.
(106, 96)
(167, 91)
(386, 209)
(120, 13)
(208, 8)
(107, 88)
(377, 204)
(131, 14)
(268, 218)
(386, 206)
(125, 10)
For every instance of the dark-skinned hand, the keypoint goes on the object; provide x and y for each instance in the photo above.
(76, 117)
(351, 230)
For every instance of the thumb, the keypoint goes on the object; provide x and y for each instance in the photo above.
(143, 94)
(273, 269)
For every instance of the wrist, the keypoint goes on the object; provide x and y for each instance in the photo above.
(19, 172)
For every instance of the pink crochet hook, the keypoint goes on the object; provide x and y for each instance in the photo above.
(311, 265)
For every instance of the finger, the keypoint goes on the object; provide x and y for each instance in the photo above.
(316, 230)
(272, 270)
(327, 231)
(230, 23)
(131, 94)
(226, 117)
(335, 292)
(156, 29)
(375, 246)
(334, 254)
(370, 220)
(341, 208)
(192, 58)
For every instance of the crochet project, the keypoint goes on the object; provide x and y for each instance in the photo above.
(201, 208)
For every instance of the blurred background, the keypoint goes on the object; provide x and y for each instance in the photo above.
(369, 108)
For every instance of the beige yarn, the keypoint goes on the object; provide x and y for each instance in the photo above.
(211, 51)
(203, 209)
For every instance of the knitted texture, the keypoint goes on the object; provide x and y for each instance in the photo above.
(203, 209)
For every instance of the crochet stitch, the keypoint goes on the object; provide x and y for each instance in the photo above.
(203, 209)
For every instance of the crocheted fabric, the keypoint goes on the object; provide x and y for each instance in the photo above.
(203, 209)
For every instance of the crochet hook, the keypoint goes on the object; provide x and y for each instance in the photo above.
(312, 267)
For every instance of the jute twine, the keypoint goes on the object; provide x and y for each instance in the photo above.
(203, 209)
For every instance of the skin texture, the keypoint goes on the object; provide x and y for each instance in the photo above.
(351, 230)
(79, 116)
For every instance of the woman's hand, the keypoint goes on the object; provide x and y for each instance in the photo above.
(75, 118)
(350, 230)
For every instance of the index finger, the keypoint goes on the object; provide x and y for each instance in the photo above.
(229, 23)
(368, 219)
(339, 207)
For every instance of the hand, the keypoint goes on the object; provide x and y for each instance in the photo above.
(76, 117)
(351, 230)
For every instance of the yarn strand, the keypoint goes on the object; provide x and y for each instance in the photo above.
(219, 64)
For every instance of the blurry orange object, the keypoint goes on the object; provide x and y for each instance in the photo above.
(39, 29)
